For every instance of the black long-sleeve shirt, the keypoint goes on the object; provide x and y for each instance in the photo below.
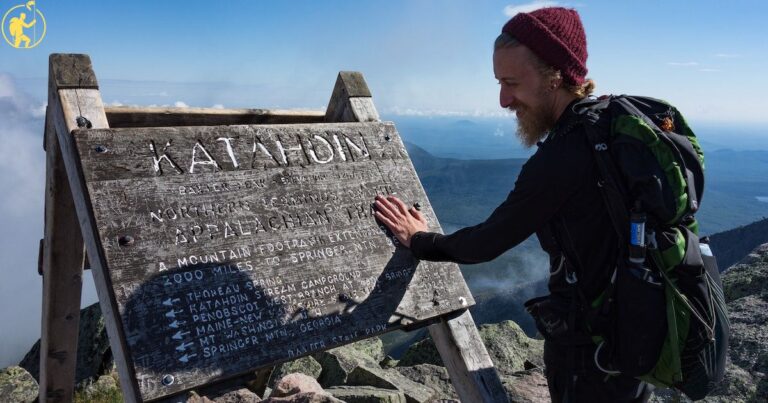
(556, 196)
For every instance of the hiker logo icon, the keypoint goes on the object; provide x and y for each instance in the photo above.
(24, 26)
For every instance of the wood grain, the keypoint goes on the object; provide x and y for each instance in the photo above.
(351, 100)
(69, 107)
(62, 247)
(62, 253)
(71, 71)
(232, 248)
(126, 116)
(472, 372)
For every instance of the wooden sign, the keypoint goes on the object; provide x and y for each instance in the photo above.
(229, 248)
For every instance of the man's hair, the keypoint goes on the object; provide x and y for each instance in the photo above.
(506, 40)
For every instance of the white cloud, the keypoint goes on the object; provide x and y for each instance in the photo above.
(218, 106)
(38, 111)
(180, 104)
(22, 161)
(512, 10)
(683, 64)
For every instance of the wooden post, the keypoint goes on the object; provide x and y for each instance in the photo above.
(351, 100)
(472, 372)
(62, 255)
(469, 366)
(74, 103)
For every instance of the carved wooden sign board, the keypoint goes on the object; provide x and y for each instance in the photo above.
(230, 248)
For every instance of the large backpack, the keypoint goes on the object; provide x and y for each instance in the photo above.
(662, 320)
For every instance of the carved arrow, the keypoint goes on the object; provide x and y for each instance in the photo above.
(172, 313)
(185, 358)
(170, 301)
(179, 335)
(175, 324)
(183, 346)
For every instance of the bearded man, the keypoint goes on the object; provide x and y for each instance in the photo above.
(540, 62)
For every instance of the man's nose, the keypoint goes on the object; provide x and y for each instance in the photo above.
(506, 98)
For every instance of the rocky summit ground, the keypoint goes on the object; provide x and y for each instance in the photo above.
(361, 373)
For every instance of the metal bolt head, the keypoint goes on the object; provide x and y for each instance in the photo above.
(125, 240)
(82, 122)
(101, 149)
(168, 380)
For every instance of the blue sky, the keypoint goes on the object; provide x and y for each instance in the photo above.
(422, 57)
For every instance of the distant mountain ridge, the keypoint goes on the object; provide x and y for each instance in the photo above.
(729, 247)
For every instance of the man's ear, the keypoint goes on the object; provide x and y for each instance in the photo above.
(556, 81)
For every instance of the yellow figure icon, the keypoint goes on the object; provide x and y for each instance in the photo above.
(16, 29)
(17, 25)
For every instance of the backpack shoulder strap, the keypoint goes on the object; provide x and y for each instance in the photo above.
(595, 116)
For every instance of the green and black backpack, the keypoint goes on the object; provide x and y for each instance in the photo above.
(662, 318)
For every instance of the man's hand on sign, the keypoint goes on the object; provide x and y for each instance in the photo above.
(401, 220)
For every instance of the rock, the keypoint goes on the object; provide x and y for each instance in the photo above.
(432, 376)
(366, 394)
(193, 397)
(300, 388)
(749, 333)
(507, 344)
(259, 380)
(242, 395)
(388, 362)
(292, 384)
(338, 362)
(304, 365)
(526, 386)
(509, 347)
(746, 290)
(231, 390)
(748, 277)
(305, 398)
(372, 347)
(104, 389)
(390, 379)
(17, 385)
(94, 358)
(421, 352)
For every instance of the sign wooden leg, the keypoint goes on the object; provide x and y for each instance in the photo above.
(470, 367)
(62, 259)
(74, 102)
(351, 100)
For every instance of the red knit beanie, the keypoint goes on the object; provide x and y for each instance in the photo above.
(556, 35)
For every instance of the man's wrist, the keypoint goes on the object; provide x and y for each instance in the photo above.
(423, 244)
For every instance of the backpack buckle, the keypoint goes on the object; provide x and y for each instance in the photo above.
(652, 244)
